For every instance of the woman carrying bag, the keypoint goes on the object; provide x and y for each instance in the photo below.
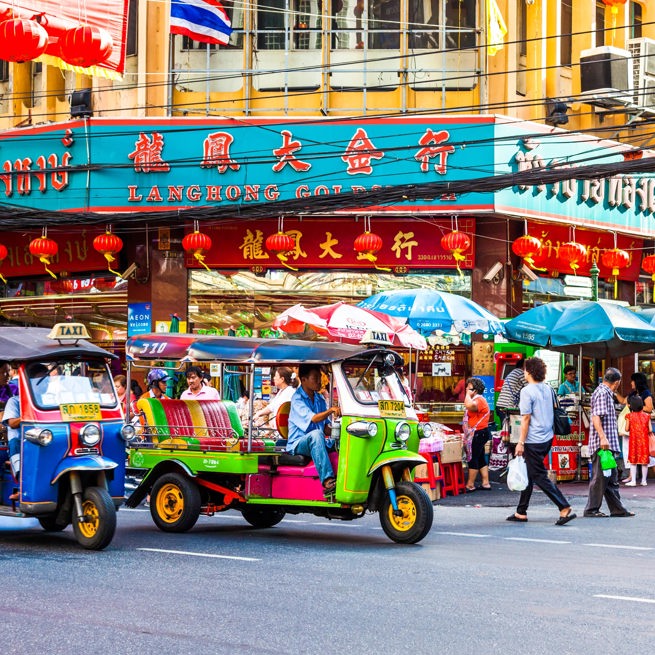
(476, 434)
(537, 414)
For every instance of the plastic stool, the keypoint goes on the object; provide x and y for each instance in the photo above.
(453, 474)
(432, 479)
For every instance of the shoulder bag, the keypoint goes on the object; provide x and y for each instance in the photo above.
(561, 421)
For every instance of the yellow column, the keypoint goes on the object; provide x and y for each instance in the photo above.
(535, 57)
(157, 57)
(55, 92)
(21, 90)
(648, 18)
(584, 13)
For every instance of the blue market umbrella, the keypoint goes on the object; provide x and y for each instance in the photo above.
(427, 310)
(593, 328)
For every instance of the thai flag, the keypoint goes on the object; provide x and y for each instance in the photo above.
(201, 20)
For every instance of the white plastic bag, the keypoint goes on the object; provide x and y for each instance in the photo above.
(517, 474)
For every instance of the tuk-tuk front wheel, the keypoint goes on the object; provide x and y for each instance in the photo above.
(97, 529)
(175, 503)
(414, 518)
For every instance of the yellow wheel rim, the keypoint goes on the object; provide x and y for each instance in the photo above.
(170, 503)
(89, 526)
(408, 519)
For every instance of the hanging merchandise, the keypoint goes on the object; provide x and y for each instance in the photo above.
(108, 244)
(197, 243)
(281, 244)
(22, 40)
(45, 249)
(3, 255)
(368, 244)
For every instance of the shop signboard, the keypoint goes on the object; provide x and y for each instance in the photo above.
(139, 318)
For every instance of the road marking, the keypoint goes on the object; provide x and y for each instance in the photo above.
(192, 554)
(633, 599)
(619, 546)
(293, 521)
(538, 541)
(337, 523)
(464, 534)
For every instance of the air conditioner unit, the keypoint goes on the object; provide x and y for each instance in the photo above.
(606, 77)
(643, 73)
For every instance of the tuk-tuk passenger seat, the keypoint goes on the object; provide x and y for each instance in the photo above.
(282, 426)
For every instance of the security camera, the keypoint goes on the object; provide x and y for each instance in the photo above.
(528, 273)
(494, 274)
(129, 271)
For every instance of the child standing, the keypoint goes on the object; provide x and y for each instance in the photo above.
(638, 424)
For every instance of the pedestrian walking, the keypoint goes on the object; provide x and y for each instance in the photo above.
(536, 404)
(604, 435)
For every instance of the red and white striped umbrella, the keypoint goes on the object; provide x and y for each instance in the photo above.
(348, 323)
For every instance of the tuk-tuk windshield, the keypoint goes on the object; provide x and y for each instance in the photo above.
(370, 383)
(70, 381)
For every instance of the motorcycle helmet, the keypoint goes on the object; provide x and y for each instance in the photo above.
(156, 375)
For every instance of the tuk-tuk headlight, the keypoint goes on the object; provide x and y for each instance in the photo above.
(39, 436)
(425, 430)
(128, 432)
(363, 429)
(90, 435)
(402, 432)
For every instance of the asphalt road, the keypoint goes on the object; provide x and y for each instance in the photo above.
(476, 584)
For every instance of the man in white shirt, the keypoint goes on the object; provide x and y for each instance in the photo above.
(197, 389)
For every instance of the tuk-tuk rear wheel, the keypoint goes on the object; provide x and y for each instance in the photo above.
(175, 503)
(261, 516)
(97, 529)
(49, 524)
(416, 516)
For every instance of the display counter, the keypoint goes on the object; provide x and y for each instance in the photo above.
(449, 414)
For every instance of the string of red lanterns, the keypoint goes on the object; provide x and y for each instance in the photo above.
(572, 254)
(527, 247)
(615, 259)
(648, 264)
(368, 244)
(24, 38)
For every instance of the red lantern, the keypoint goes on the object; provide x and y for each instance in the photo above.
(85, 46)
(3, 255)
(526, 247)
(22, 40)
(648, 264)
(616, 259)
(45, 249)
(456, 242)
(572, 253)
(108, 244)
(280, 244)
(614, 4)
(197, 243)
(367, 245)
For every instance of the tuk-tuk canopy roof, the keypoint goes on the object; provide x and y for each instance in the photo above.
(238, 350)
(32, 344)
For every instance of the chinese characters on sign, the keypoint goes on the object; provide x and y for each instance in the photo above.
(416, 245)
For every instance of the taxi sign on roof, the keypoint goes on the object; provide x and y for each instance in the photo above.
(376, 337)
(68, 331)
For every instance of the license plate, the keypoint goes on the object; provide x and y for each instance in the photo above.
(81, 412)
(392, 408)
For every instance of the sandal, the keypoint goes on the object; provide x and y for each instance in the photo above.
(517, 519)
(563, 520)
(470, 491)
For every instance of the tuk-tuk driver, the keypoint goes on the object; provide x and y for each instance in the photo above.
(308, 418)
(11, 419)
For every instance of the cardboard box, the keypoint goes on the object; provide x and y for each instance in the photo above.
(434, 494)
(421, 472)
(452, 452)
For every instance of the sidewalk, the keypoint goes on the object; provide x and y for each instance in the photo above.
(501, 496)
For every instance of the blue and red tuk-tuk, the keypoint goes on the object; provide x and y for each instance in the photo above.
(67, 461)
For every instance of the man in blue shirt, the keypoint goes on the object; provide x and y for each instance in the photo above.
(604, 434)
(308, 419)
